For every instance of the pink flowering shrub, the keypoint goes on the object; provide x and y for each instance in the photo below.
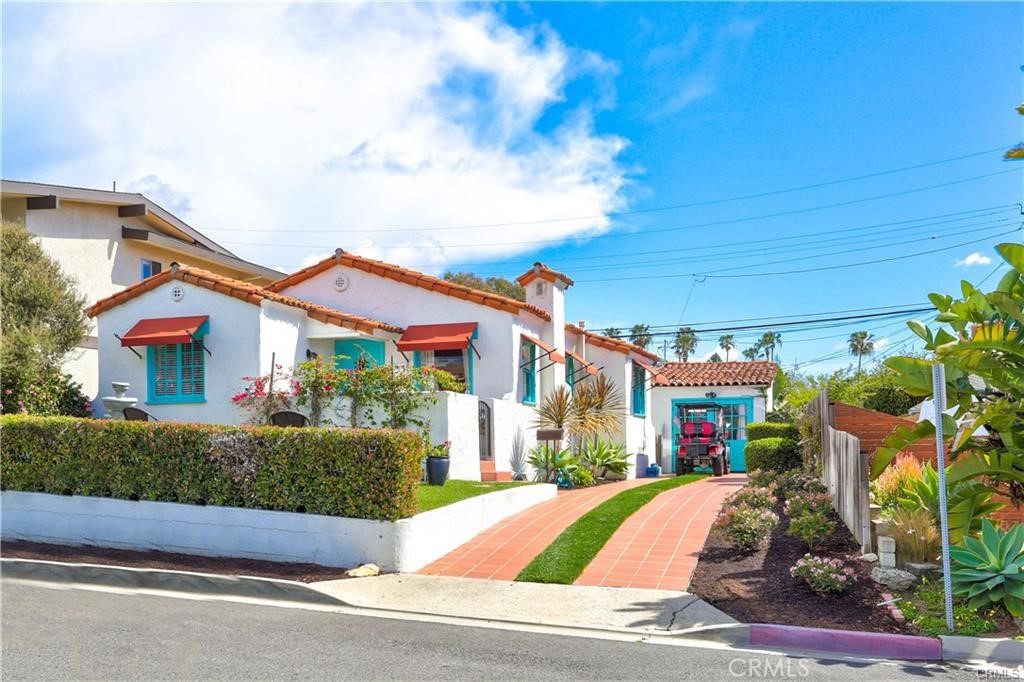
(746, 527)
(823, 575)
(814, 528)
(761, 498)
(798, 505)
(265, 395)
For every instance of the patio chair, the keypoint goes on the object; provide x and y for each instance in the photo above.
(134, 414)
(288, 418)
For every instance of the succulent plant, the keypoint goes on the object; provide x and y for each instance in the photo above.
(990, 569)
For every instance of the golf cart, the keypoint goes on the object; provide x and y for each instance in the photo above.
(701, 441)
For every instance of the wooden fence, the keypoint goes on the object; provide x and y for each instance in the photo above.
(844, 470)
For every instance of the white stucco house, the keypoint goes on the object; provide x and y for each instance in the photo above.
(108, 241)
(742, 391)
(184, 337)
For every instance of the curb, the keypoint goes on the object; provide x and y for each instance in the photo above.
(852, 642)
(1006, 653)
(125, 577)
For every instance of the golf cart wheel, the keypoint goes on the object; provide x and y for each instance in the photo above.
(728, 465)
(718, 467)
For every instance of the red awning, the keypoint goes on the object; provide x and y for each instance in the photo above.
(583, 364)
(161, 330)
(548, 350)
(656, 377)
(453, 336)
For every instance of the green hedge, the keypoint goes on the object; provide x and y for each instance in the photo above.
(773, 454)
(760, 430)
(367, 474)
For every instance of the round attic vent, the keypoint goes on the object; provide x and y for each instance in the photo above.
(177, 293)
(341, 283)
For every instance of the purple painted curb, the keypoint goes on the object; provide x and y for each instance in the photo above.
(877, 644)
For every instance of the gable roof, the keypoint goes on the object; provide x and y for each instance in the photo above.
(412, 278)
(545, 273)
(753, 373)
(167, 230)
(608, 343)
(242, 291)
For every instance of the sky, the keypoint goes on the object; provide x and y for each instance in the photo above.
(684, 163)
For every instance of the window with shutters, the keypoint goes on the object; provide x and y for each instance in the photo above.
(639, 391)
(177, 373)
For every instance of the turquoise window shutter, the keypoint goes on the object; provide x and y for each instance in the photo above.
(370, 351)
(639, 391)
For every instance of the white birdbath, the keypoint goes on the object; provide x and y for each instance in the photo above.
(116, 403)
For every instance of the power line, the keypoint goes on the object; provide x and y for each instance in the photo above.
(805, 270)
(772, 326)
(670, 207)
(902, 308)
(798, 247)
(611, 235)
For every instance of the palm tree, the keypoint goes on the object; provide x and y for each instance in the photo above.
(768, 342)
(640, 335)
(613, 332)
(726, 343)
(752, 352)
(861, 344)
(684, 343)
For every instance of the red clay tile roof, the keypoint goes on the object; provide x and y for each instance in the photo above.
(753, 373)
(545, 273)
(608, 343)
(243, 291)
(411, 277)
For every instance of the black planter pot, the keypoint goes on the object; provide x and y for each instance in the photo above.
(437, 470)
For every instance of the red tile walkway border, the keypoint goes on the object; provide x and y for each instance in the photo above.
(658, 546)
(502, 551)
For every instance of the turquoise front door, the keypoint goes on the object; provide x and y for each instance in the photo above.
(352, 352)
(736, 413)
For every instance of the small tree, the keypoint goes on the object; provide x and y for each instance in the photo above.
(640, 335)
(980, 342)
(726, 343)
(684, 343)
(861, 344)
(43, 320)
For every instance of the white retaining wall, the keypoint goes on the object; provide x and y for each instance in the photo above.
(406, 545)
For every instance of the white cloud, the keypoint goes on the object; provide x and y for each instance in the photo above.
(320, 117)
(975, 258)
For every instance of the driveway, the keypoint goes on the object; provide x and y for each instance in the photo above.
(658, 546)
(501, 552)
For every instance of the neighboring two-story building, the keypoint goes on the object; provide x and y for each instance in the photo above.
(108, 241)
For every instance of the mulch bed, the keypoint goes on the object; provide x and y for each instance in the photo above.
(756, 587)
(89, 554)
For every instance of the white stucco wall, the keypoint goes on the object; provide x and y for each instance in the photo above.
(662, 407)
(495, 372)
(86, 240)
(406, 545)
(453, 418)
(282, 336)
(233, 340)
(514, 435)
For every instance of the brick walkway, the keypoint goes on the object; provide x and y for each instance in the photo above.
(501, 552)
(658, 546)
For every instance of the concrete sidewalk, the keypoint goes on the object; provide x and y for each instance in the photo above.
(642, 611)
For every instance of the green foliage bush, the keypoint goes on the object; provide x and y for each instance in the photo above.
(582, 478)
(990, 570)
(368, 474)
(746, 527)
(762, 430)
(813, 527)
(773, 454)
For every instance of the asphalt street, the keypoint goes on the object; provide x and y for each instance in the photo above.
(65, 634)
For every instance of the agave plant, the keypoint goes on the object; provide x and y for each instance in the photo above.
(967, 503)
(990, 570)
(547, 462)
(603, 458)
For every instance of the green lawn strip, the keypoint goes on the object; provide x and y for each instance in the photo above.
(433, 496)
(566, 557)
